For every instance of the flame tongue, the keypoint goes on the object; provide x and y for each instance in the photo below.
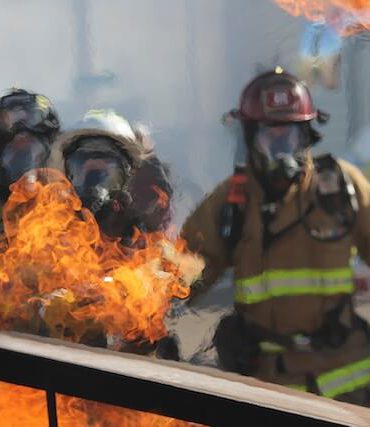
(346, 16)
(58, 272)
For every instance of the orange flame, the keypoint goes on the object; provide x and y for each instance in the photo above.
(73, 412)
(57, 272)
(26, 407)
(346, 16)
(22, 406)
(163, 198)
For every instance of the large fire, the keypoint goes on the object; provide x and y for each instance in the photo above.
(60, 277)
(346, 16)
(26, 407)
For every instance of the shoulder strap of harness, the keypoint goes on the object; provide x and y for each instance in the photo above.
(334, 187)
(336, 195)
(232, 214)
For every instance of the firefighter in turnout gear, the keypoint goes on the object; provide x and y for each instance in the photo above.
(28, 127)
(287, 222)
(116, 174)
(119, 178)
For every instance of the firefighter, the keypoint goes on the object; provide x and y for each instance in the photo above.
(119, 178)
(116, 174)
(28, 126)
(287, 222)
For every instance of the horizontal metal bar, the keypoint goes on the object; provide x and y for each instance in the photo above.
(168, 388)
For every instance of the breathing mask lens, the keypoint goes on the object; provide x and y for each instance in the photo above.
(23, 153)
(277, 142)
(277, 154)
(88, 170)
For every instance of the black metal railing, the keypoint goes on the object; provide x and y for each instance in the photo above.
(161, 393)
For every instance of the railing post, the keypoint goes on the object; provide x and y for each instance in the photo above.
(52, 408)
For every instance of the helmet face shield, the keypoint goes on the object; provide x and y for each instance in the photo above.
(19, 118)
(24, 111)
(87, 171)
(23, 153)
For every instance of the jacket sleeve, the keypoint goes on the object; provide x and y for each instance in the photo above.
(362, 226)
(201, 231)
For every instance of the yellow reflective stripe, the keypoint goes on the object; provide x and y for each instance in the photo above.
(271, 347)
(302, 273)
(287, 291)
(42, 102)
(275, 283)
(348, 387)
(95, 113)
(346, 379)
(302, 343)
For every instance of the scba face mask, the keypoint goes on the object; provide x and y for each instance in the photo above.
(277, 153)
(100, 174)
(23, 153)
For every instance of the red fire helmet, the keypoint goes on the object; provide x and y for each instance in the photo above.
(276, 96)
